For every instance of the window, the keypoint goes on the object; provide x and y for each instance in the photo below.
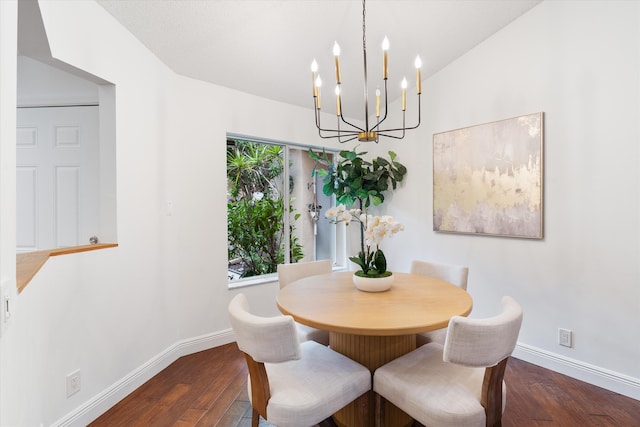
(274, 213)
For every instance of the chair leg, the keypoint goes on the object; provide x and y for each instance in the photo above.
(259, 390)
(379, 411)
(492, 393)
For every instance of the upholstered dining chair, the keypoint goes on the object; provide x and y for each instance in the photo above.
(456, 274)
(293, 384)
(289, 273)
(460, 384)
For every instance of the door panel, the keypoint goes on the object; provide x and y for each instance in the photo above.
(58, 176)
(27, 207)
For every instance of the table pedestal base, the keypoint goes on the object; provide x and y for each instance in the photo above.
(371, 352)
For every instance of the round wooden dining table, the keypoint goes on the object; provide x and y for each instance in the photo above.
(373, 328)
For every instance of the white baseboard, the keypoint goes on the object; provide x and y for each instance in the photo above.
(610, 380)
(93, 408)
(99, 404)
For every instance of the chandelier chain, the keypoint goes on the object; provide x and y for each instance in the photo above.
(364, 57)
(364, 26)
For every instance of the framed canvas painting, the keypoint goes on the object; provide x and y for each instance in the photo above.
(487, 179)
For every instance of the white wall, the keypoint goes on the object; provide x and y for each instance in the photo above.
(42, 84)
(122, 314)
(578, 62)
(8, 51)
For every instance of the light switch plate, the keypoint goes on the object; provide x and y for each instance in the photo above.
(7, 301)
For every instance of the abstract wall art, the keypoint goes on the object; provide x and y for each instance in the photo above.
(488, 178)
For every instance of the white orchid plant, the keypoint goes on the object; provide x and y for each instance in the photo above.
(371, 259)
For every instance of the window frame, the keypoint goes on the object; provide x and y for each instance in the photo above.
(338, 256)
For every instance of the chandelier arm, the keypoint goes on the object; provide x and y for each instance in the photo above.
(342, 131)
(391, 136)
(355, 131)
(321, 129)
(351, 124)
(377, 126)
(340, 110)
(338, 136)
(316, 113)
(399, 129)
(337, 133)
(347, 140)
(345, 121)
(403, 128)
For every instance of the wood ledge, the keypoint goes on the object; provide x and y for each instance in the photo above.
(29, 263)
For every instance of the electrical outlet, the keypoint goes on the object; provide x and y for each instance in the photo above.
(564, 337)
(73, 383)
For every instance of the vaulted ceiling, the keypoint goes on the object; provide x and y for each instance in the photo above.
(265, 47)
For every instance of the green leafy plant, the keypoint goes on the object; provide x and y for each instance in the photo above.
(255, 234)
(255, 208)
(353, 179)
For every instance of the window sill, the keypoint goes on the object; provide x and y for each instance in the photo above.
(250, 281)
(267, 278)
(29, 263)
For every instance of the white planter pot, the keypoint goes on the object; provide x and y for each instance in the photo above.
(371, 284)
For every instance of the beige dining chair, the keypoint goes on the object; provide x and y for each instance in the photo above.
(293, 384)
(455, 274)
(460, 384)
(289, 273)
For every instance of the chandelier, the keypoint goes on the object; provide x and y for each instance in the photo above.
(368, 133)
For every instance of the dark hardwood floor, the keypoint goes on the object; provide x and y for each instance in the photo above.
(210, 389)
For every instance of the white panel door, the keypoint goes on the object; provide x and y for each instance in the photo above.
(57, 177)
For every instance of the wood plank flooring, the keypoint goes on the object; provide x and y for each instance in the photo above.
(210, 389)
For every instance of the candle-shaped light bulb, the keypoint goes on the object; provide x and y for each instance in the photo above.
(337, 100)
(385, 57)
(404, 93)
(314, 74)
(318, 85)
(418, 64)
(336, 55)
(377, 102)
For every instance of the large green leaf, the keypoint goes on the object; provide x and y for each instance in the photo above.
(361, 193)
(356, 183)
(380, 262)
(313, 155)
(349, 155)
(327, 188)
(382, 162)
